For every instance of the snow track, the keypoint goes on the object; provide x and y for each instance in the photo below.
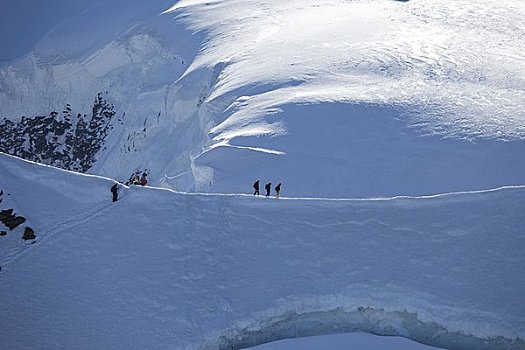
(51, 220)
(49, 231)
(198, 271)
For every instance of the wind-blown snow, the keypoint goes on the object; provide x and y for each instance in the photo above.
(457, 66)
(219, 93)
(160, 269)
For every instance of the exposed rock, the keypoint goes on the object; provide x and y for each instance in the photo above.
(10, 220)
(3, 233)
(29, 233)
(5, 214)
(59, 139)
(17, 221)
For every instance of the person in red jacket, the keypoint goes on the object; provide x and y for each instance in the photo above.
(143, 180)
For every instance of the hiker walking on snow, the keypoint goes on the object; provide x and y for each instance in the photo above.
(278, 190)
(268, 188)
(256, 188)
(114, 190)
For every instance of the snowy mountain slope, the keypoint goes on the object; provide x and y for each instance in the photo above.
(160, 269)
(333, 150)
(381, 52)
(214, 94)
(15, 229)
(50, 219)
(61, 139)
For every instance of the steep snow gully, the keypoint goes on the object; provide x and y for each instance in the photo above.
(161, 269)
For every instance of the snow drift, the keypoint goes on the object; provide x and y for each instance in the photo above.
(161, 269)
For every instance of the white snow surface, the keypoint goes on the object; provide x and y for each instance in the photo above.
(161, 269)
(218, 93)
(387, 101)
(451, 61)
(361, 341)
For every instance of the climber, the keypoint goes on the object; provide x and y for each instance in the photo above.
(268, 188)
(114, 190)
(143, 180)
(278, 190)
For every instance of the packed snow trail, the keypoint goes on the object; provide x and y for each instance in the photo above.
(52, 220)
(50, 230)
(168, 270)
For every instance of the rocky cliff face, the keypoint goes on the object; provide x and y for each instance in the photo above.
(66, 140)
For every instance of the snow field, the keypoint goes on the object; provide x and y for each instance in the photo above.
(337, 150)
(382, 52)
(360, 99)
(160, 269)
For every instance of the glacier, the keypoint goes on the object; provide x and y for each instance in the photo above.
(162, 269)
(203, 84)
(396, 127)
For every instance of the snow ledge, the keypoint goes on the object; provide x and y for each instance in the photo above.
(363, 319)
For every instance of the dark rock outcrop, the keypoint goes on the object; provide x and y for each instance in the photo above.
(10, 219)
(59, 139)
(29, 234)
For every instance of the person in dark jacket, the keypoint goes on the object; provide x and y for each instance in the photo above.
(278, 190)
(114, 190)
(256, 188)
(268, 188)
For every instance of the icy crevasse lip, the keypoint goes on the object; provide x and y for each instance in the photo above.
(363, 319)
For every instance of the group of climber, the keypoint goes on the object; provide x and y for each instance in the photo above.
(133, 180)
(136, 180)
(143, 181)
(268, 188)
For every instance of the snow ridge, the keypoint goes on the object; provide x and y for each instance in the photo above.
(199, 271)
